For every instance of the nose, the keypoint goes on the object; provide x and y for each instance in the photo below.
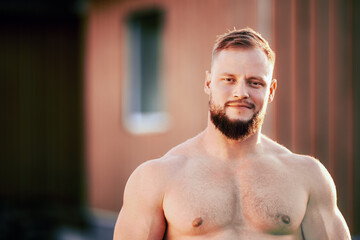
(240, 91)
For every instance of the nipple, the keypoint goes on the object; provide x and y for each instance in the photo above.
(285, 219)
(197, 222)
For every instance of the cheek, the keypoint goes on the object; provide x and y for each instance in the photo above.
(260, 98)
(223, 89)
(221, 92)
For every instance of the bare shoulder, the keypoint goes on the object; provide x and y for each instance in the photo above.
(311, 169)
(312, 173)
(143, 199)
(186, 149)
(308, 168)
(274, 147)
(317, 178)
(146, 187)
(157, 172)
(291, 158)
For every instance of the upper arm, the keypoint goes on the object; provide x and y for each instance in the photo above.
(141, 216)
(322, 219)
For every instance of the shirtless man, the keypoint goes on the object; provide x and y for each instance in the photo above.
(230, 181)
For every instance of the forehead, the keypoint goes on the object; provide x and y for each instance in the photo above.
(242, 61)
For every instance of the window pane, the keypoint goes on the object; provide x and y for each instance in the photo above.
(145, 111)
(145, 42)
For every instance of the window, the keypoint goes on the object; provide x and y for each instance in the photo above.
(144, 103)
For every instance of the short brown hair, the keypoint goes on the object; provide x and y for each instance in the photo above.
(243, 38)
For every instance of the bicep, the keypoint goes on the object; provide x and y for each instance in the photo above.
(325, 224)
(141, 216)
(138, 224)
(322, 219)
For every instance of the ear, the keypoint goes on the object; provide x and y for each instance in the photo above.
(207, 82)
(273, 87)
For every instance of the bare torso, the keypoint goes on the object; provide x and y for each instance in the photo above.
(264, 193)
(260, 197)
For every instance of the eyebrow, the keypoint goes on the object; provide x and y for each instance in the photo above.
(227, 74)
(246, 77)
(256, 77)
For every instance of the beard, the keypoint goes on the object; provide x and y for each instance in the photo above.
(235, 129)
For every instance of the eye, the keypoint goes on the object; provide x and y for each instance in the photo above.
(256, 84)
(229, 80)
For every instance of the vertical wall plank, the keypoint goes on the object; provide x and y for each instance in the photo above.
(265, 26)
(313, 71)
(350, 124)
(302, 109)
(293, 76)
(322, 81)
(355, 58)
(282, 46)
(341, 106)
(331, 96)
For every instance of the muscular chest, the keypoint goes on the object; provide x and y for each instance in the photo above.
(202, 201)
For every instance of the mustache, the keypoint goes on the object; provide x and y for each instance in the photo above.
(241, 102)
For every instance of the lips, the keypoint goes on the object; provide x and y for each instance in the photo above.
(240, 105)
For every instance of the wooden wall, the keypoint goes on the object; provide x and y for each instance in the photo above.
(314, 102)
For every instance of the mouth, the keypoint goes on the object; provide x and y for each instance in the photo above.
(240, 105)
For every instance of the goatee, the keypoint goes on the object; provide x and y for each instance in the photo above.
(234, 129)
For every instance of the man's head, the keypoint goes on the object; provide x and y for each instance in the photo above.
(240, 83)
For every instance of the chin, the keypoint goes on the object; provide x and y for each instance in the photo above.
(237, 117)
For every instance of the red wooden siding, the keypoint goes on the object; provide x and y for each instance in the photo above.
(315, 96)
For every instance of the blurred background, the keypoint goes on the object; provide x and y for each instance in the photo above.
(90, 89)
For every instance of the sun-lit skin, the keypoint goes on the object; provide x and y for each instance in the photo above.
(238, 79)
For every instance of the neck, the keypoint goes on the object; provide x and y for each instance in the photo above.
(219, 146)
